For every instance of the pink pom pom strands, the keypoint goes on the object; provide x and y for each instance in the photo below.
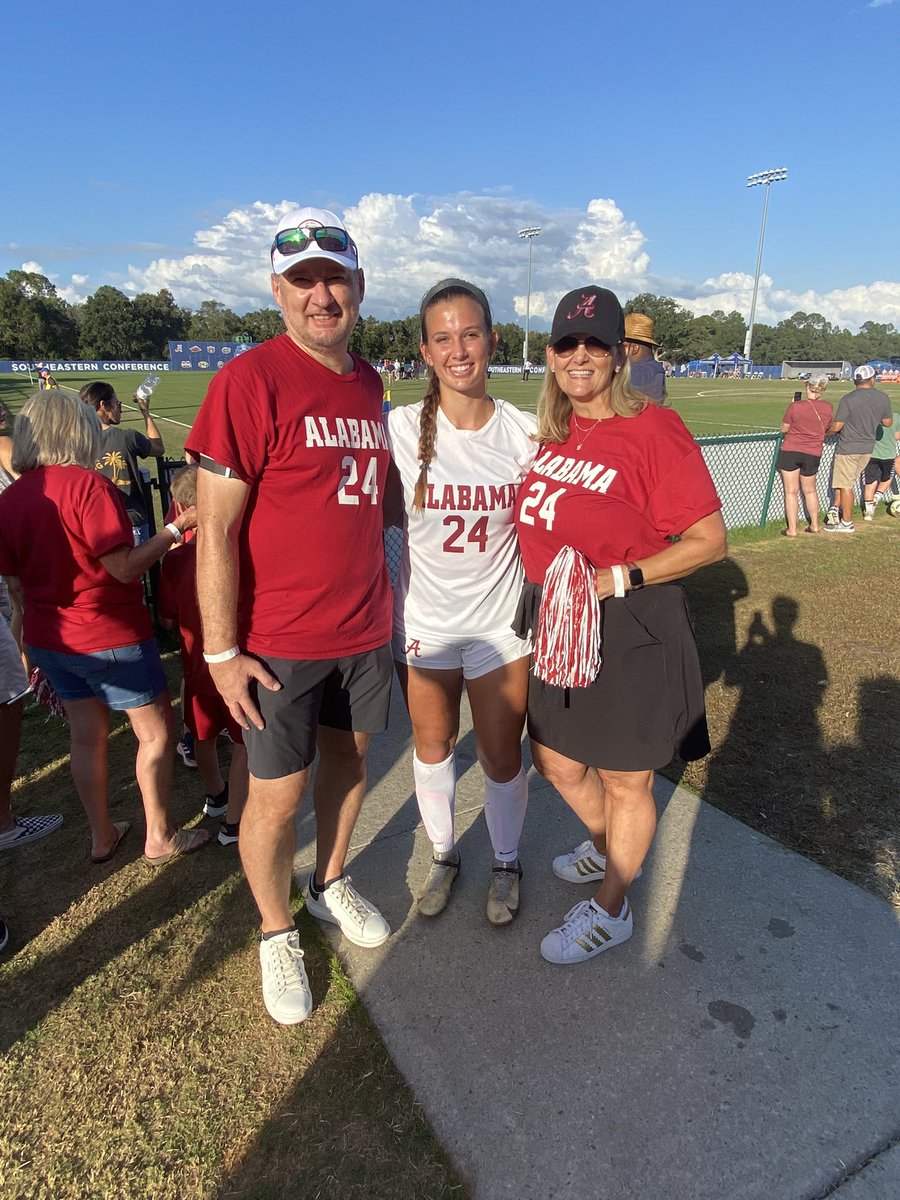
(567, 646)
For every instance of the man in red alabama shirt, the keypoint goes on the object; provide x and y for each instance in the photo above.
(293, 588)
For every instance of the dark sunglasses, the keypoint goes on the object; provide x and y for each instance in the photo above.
(326, 237)
(568, 345)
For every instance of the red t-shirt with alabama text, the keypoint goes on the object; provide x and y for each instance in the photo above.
(634, 483)
(55, 525)
(312, 448)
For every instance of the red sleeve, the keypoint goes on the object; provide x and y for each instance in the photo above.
(232, 425)
(104, 523)
(683, 496)
(785, 420)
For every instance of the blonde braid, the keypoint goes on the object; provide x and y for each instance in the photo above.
(427, 431)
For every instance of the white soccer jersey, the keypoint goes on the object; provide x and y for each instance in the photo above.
(460, 575)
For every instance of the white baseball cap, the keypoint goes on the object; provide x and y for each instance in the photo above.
(864, 372)
(327, 238)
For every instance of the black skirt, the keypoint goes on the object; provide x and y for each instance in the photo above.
(646, 705)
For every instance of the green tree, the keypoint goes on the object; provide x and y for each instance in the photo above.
(34, 321)
(510, 341)
(671, 323)
(158, 319)
(108, 326)
(263, 324)
(213, 322)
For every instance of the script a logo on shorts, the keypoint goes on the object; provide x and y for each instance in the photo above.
(413, 648)
(586, 307)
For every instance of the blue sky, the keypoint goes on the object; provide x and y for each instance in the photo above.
(158, 147)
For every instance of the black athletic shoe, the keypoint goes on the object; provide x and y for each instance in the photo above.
(228, 834)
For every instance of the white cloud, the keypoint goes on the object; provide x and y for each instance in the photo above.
(408, 242)
(845, 307)
(878, 3)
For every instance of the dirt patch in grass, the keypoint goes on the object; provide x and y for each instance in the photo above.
(798, 640)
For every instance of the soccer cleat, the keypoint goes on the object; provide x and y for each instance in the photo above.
(503, 893)
(285, 985)
(586, 931)
(832, 517)
(432, 900)
(228, 834)
(360, 922)
(216, 806)
(585, 864)
(185, 749)
(870, 511)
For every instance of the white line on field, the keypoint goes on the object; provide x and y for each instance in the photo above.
(171, 420)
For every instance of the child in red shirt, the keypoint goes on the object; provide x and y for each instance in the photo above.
(205, 713)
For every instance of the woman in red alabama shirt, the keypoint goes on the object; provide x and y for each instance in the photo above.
(623, 482)
(66, 541)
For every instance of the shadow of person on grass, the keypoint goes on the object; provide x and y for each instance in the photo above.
(865, 813)
(770, 764)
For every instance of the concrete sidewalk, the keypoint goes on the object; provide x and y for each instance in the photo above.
(744, 1045)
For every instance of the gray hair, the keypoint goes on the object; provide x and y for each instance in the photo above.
(55, 429)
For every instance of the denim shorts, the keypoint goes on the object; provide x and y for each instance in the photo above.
(123, 678)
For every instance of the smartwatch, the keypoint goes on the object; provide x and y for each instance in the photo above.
(635, 577)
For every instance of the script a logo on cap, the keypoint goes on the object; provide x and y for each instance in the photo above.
(588, 301)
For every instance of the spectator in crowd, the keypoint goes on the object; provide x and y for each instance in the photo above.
(648, 375)
(120, 448)
(15, 831)
(205, 712)
(65, 539)
(622, 482)
(461, 456)
(293, 454)
(856, 423)
(803, 426)
(884, 463)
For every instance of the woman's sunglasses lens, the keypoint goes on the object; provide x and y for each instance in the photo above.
(566, 345)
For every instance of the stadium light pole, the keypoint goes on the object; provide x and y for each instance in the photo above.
(767, 178)
(529, 235)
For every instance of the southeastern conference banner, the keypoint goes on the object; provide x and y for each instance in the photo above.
(94, 366)
(204, 356)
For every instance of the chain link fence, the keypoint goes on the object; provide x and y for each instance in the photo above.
(742, 467)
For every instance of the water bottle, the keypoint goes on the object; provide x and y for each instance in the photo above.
(147, 388)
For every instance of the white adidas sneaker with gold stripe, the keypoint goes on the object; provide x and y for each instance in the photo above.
(587, 930)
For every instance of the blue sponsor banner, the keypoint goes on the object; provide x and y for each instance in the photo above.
(204, 356)
(512, 369)
(94, 366)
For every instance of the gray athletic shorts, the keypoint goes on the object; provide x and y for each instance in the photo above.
(351, 694)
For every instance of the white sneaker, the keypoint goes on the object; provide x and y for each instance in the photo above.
(586, 931)
(360, 922)
(832, 517)
(285, 986)
(869, 514)
(585, 864)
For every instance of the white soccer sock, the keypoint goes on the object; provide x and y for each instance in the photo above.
(504, 811)
(436, 794)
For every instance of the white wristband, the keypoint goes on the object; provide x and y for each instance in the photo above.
(175, 532)
(618, 580)
(222, 656)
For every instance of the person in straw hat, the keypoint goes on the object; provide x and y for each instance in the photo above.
(648, 376)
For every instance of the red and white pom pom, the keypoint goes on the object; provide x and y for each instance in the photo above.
(45, 694)
(567, 645)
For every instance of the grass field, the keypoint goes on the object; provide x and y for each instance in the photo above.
(708, 407)
(138, 1064)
